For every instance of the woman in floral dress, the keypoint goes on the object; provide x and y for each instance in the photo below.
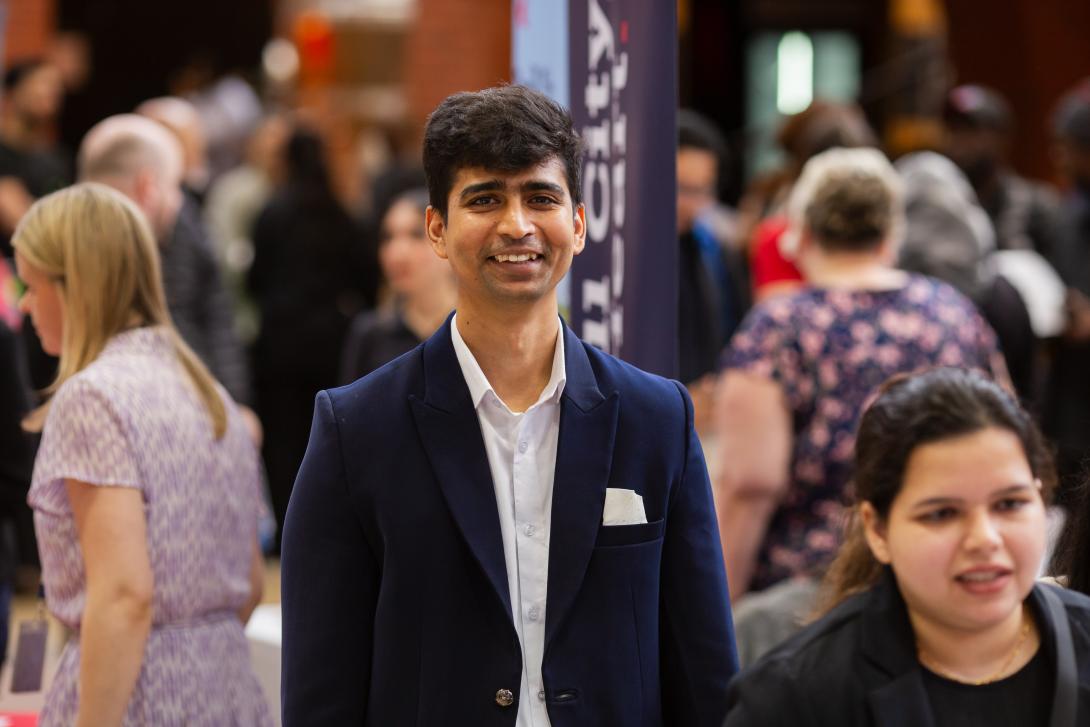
(801, 368)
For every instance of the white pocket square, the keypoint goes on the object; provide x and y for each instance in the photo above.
(623, 507)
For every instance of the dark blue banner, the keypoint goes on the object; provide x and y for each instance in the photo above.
(622, 93)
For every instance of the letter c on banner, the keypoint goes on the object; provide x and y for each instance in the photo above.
(597, 214)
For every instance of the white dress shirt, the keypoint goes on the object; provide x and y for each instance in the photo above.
(521, 449)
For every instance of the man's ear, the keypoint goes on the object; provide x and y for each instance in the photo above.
(875, 532)
(144, 190)
(580, 224)
(436, 229)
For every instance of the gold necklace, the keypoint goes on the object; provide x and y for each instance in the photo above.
(931, 664)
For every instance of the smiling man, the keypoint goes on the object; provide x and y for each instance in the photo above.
(504, 526)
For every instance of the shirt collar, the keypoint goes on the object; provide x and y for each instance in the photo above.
(478, 382)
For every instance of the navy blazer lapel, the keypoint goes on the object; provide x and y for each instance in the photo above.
(451, 434)
(584, 453)
(887, 642)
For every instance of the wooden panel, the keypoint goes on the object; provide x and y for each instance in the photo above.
(456, 45)
(29, 26)
(1031, 51)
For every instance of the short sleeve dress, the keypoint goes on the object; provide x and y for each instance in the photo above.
(132, 418)
(830, 350)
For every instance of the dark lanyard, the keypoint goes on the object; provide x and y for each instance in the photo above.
(1065, 703)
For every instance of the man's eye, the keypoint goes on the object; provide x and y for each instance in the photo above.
(482, 201)
(543, 200)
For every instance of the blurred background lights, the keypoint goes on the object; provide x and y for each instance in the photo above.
(795, 73)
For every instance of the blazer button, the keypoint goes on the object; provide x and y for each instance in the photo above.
(505, 698)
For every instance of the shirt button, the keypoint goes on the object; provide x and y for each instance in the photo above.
(534, 613)
(523, 446)
(541, 695)
(529, 530)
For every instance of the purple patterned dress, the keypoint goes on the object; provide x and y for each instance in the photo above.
(133, 419)
(830, 350)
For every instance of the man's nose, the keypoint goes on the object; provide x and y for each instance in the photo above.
(515, 222)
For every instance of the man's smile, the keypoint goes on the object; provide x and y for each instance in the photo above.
(516, 257)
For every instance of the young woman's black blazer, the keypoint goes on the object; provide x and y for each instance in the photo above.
(857, 666)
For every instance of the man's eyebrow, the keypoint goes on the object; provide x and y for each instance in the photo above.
(539, 186)
(491, 185)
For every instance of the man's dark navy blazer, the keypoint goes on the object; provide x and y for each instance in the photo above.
(395, 597)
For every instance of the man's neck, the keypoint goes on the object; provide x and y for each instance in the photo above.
(988, 191)
(514, 349)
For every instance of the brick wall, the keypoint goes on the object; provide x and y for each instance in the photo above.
(455, 45)
(29, 27)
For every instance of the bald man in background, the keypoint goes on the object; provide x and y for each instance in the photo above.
(182, 119)
(141, 159)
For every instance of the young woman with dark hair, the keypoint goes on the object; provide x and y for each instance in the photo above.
(420, 285)
(935, 615)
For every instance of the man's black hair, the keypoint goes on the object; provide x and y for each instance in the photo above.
(1071, 120)
(977, 107)
(695, 131)
(505, 129)
(19, 70)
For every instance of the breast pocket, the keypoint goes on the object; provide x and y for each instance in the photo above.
(611, 536)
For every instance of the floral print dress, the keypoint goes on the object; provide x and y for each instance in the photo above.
(830, 350)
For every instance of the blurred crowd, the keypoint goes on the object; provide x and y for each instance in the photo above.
(834, 273)
(859, 268)
(281, 282)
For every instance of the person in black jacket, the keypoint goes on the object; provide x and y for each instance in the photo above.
(937, 618)
(141, 159)
(16, 458)
(311, 274)
(422, 290)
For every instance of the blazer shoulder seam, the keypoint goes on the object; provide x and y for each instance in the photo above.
(340, 443)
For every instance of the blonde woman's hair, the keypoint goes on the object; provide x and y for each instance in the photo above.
(98, 247)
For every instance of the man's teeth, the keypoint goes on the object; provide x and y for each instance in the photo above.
(517, 258)
(980, 577)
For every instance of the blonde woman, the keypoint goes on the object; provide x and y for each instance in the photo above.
(145, 490)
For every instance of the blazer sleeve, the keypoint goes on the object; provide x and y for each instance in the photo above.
(330, 581)
(696, 632)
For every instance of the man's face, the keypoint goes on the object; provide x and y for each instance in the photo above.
(697, 176)
(977, 151)
(509, 237)
(38, 97)
(159, 193)
(1073, 161)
